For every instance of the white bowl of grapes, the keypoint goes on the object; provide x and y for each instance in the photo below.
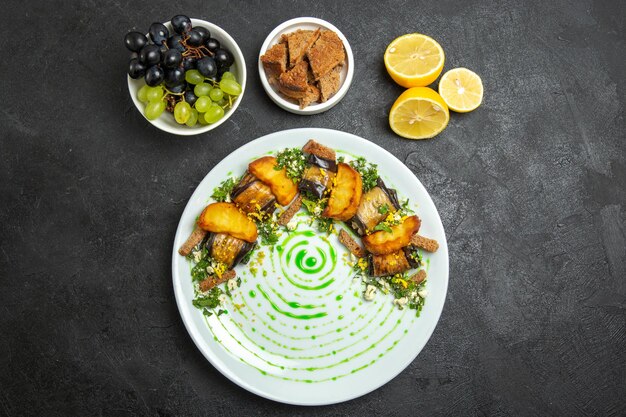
(186, 76)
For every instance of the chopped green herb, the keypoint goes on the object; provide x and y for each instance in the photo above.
(268, 230)
(383, 226)
(341, 159)
(293, 160)
(368, 171)
(210, 300)
(384, 209)
(222, 192)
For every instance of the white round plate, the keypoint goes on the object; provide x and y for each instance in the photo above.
(311, 339)
(346, 75)
(166, 121)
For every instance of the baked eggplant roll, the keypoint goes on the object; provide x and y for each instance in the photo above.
(251, 195)
(369, 212)
(227, 249)
(322, 167)
(394, 263)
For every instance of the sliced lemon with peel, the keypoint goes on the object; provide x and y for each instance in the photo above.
(461, 89)
(414, 60)
(419, 113)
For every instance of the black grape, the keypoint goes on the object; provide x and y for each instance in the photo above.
(150, 55)
(154, 76)
(189, 63)
(206, 35)
(181, 24)
(134, 41)
(174, 77)
(190, 97)
(223, 58)
(174, 42)
(136, 69)
(212, 44)
(207, 66)
(195, 37)
(172, 58)
(158, 33)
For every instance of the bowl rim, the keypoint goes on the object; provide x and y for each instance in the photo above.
(313, 108)
(183, 130)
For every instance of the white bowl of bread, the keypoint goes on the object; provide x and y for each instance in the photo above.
(306, 65)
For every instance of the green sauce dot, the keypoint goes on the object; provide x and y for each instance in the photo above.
(306, 327)
(339, 297)
(252, 294)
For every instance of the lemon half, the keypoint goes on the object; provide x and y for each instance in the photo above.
(419, 113)
(414, 60)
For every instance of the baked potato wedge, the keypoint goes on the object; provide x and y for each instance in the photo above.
(383, 242)
(226, 218)
(345, 194)
(283, 187)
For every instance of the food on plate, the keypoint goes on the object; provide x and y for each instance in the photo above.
(333, 192)
(419, 113)
(285, 217)
(227, 218)
(275, 60)
(186, 72)
(194, 239)
(252, 195)
(326, 54)
(345, 194)
(299, 43)
(305, 65)
(414, 60)
(461, 89)
(429, 245)
(227, 249)
(351, 244)
(374, 207)
(399, 236)
(266, 169)
(321, 169)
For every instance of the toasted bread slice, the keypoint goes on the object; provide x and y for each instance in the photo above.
(429, 245)
(312, 95)
(299, 43)
(196, 237)
(350, 243)
(275, 60)
(329, 83)
(293, 83)
(213, 280)
(419, 276)
(288, 214)
(320, 150)
(326, 54)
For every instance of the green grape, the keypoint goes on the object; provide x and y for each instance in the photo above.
(202, 89)
(231, 87)
(154, 109)
(193, 77)
(222, 102)
(213, 114)
(201, 119)
(202, 104)
(142, 94)
(193, 119)
(228, 76)
(216, 94)
(154, 93)
(182, 112)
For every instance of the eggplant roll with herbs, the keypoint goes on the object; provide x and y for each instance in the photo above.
(394, 263)
(251, 195)
(370, 211)
(227, 249)
(321, 169)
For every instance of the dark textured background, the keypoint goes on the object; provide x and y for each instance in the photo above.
(530, 187)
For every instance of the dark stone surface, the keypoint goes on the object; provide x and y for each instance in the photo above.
(531, 189)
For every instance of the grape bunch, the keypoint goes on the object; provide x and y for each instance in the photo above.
(187, 72)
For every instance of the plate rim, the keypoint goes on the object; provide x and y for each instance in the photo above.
(219, 364)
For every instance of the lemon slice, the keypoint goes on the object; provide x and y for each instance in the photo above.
(419, 113)
(461, 89)
(414, 60)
